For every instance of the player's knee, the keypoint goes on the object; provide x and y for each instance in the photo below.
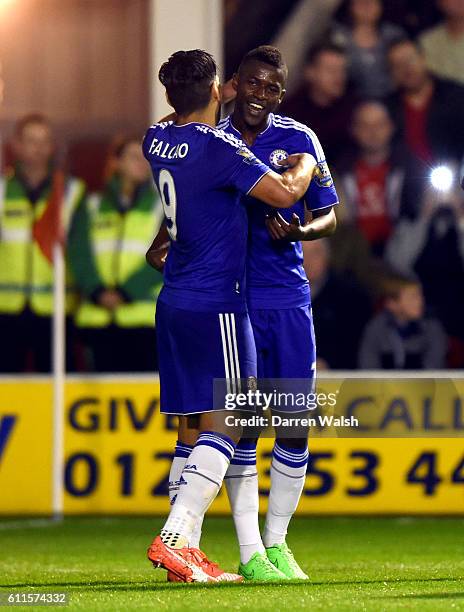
(217, 422)
(188, 429)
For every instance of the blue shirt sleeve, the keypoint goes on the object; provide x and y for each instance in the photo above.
(233, 164)
(321, 192)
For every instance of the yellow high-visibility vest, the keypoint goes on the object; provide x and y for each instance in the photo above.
(26, 275)
(119, 242)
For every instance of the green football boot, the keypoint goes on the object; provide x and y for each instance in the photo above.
(282, 558)
(260, 568)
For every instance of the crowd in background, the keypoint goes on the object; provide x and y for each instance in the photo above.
(383, 88)
(110, 290)
(387, 102)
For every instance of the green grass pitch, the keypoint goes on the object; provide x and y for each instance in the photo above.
(354, 564)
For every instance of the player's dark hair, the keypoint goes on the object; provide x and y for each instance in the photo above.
(327, 47)
(188, 76)
(267, 55)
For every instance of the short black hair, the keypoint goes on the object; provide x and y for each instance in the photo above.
(188, 76)
(267, 55)
(327, 47)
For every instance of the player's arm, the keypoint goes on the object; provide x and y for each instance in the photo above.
(322, 224)
(284, 190)
(157, 253)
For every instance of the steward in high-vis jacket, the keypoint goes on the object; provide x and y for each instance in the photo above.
(26, 274)
(107, 249)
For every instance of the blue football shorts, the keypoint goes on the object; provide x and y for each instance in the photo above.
(194, 349)
(286, 350)
(285, 342)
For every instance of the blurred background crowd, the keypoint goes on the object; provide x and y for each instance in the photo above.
(382, 85)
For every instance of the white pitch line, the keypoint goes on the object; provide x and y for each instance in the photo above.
(28, 524)
(51, 522)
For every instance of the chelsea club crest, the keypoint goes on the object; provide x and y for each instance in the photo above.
(277, 156)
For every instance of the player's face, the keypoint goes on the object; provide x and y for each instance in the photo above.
(260, 89)
(372, 127)
(34, 147)
(407, 66)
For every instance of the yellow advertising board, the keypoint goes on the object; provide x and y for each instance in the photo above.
(118, 449)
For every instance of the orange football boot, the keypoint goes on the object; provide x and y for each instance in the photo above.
(179, 562)
(209, 567)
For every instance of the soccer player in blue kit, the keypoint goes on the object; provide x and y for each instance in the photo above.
(203, 328)
(278, 299)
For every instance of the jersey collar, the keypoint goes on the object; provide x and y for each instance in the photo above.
(192, 123)
(269, 123)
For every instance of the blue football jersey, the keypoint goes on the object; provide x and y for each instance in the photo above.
(201, 174)
(275, 275)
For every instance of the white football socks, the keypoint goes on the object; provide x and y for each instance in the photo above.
(181, 454)
(288, 473)
(241, 482)
(203, 474)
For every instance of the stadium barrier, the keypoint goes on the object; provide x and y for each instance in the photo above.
(406, 458)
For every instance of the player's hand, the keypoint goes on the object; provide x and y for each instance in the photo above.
(292, 160)
(157, 257)
(110, 299)
(279, 229)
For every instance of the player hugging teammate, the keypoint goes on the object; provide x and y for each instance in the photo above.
(209, 327)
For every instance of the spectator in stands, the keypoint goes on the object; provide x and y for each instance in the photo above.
(366, 37)
(413, 15)
(429, 110)
(400, 337)
(372, 178)
(107, 251)
(323, 101)
(443, 45)
(26, 274)
(340, 308)
(432, 246)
